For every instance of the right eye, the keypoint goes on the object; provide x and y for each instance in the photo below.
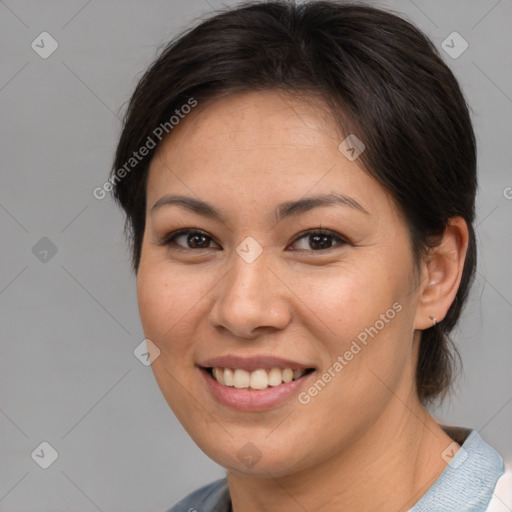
(191, 239)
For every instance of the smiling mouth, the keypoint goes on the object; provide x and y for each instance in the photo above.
(256, 380)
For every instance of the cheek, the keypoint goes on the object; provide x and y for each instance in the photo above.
(345, 300)
(167, 300)
(364, 318)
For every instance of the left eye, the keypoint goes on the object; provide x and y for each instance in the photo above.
(320, 240)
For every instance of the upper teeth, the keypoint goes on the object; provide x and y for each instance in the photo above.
(258, 379)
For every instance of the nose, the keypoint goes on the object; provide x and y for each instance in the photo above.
(251, 299)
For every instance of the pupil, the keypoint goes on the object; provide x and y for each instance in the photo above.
(320, 241)
(192, 239)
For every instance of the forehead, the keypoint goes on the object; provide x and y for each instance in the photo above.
(258, 144)
(266, 118)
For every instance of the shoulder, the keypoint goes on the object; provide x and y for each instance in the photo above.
(213, 497)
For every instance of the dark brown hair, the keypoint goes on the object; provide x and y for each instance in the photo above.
(384, 81)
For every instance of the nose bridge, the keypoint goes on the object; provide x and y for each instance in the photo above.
(250, 295)
(248, 278)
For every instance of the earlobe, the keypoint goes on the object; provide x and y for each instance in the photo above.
(442, 273)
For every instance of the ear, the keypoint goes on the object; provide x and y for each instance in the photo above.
(441, 272)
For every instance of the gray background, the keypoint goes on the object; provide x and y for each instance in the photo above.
(69, 325)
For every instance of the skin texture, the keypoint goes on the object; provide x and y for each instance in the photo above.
(364, 441)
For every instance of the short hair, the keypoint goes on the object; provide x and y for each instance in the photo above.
(384, 81)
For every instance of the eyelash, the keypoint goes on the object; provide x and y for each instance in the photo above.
(170, 239)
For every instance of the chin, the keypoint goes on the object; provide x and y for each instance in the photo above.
(252, 458)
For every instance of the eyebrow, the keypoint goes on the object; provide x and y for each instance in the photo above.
(287, 209)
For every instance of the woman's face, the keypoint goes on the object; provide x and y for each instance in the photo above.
(258, 292)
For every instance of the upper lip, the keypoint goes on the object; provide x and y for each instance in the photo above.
(252, 363)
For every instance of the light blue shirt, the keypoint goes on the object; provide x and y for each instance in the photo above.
(466, 484)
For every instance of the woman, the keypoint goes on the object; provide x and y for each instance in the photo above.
(299, 185)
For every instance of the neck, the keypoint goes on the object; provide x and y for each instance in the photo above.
(389, 468)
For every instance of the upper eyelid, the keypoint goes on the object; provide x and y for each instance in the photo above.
(167, 239)
(321, 231)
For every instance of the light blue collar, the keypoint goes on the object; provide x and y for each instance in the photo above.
(468, 482)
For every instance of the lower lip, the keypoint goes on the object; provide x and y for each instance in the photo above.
(253, 400)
